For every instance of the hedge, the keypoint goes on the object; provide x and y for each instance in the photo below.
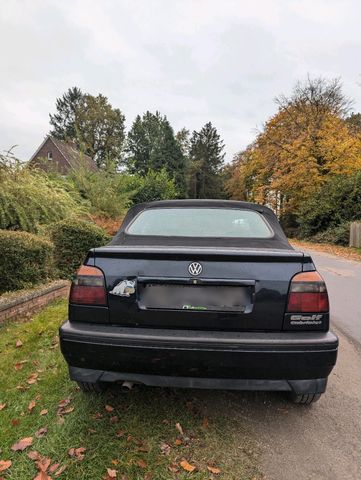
(26, 259)
(72, 240)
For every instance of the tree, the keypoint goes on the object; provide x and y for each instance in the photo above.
(151, 145)
(206, 162)
(305, 142)
(100, 131)
(95, 127)
(64, 120)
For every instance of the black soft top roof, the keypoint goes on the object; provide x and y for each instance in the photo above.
(278, 241)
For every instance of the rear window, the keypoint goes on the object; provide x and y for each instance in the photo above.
(200, 222)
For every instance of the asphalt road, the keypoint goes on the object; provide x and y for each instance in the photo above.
(322, 441)
(343, 279)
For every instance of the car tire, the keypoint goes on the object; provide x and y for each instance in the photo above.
(87, 387)
(306, 398)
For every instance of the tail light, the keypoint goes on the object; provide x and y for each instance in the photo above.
(88, 287)
(308, 294)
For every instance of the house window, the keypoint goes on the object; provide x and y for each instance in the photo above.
(50, 156)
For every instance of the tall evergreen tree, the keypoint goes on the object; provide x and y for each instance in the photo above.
(63, 121)
(151, 145)
(206, 163)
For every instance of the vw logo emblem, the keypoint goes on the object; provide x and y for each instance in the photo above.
(195, 268)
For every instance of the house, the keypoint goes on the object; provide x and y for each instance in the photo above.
(60, 156)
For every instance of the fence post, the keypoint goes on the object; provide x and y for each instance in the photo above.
(355, 234)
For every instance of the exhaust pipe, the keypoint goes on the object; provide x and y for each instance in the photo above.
(127, 385)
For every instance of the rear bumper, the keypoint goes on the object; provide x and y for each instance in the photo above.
(299, 361)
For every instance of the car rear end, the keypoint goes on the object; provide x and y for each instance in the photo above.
(205, 312)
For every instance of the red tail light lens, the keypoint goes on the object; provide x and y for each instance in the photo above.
(308, 294)
(88, 287)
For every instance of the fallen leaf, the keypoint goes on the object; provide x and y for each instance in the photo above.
(5, 464)
(97, 416)
(33, 378)
(60, 471)
(109, 408)
(15, 422)
(173, 467)
(214, 470)
(141, 463)
(65, 411)
(18, 344)
(113, 419)
(2, 406)
(77, 452)
(34, 455)
(31, 405)
(111, 473)
(41, 432)
(165, 448)
(178, 426)
(43, 464)
(205, 422)
(54, 467)
(43, 412)
(22, 444)
(42, 476)
(187, 466)
(115, 462)
(148, 476)
(143, 449)
(63, 403)
(120, 433)
(178, 441)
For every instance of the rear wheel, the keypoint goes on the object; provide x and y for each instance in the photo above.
(97, 387)
(306, 398)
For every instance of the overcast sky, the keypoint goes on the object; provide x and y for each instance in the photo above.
(222, 61)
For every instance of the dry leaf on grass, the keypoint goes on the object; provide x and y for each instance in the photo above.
(214, 470)
(60, 471)
(22, 444)
(18, 344)
(205, 422)
(109, 408)
(113, 419)
(165, 448)
(33, 378)
(43, 412)
(141, 463)
(15, 422)
(111, 473)
(41, 432)
(178, 441)
(77, 452)
(187, 466)
(5, 464)
(31, 405)
(178, 426)
(2, 406)
(34, 455)
(173, 467)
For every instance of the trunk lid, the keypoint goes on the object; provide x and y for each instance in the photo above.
(237, 289)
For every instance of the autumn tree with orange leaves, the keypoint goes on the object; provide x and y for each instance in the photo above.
(304, 143)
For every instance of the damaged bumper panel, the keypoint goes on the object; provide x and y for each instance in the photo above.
(298, 361)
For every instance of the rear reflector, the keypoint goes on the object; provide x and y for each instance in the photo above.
(88, 287)
(308, 294)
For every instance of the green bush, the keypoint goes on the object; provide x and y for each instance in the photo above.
(72, 240)
(338, 235)
(29, 198)
(154, 186)
(108, 194)
(336, 202)
(26, 259)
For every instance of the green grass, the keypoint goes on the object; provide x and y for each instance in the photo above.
(147, 416)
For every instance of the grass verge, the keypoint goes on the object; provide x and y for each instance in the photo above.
(133, 434)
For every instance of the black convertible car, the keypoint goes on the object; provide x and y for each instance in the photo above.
(203, 294)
